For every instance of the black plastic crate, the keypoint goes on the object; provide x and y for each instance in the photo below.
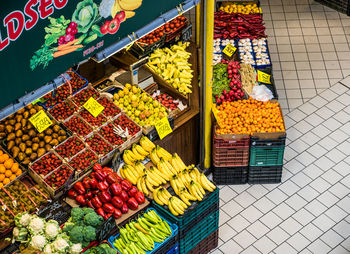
(230, 175)
(271, 86)
(339, 5)
(265, 180)
(281, 141)
(207, 244)
(265, 169)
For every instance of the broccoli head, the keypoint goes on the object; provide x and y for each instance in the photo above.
(93, 219)
(76, 235)
(68, 226)
(88, 210)
(89, 234)
(77, 214)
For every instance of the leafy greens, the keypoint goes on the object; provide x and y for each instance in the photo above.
(220, 79)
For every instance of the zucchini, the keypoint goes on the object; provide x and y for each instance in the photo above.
(90, 39)
(96, 30)
(80, 39)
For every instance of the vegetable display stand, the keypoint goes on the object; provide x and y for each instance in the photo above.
(207, 244)
(265, 174)
(141, 50)
(230, 175)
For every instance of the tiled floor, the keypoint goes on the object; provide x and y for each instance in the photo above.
(309, 212)
(309, 46)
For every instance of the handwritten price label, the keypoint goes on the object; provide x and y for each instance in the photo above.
(163, 127)
(93, 107)
(40, 121)
(264, 77)
(229, 50)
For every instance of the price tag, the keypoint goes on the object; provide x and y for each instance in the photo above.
(163, 127)
(229, 50)
(40, 121)
(187, 33)
(264, 77)
(93, 107)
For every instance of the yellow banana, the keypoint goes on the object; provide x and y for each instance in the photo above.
(171, 208)
(156, 198)
(162, 153)
(141, 151)
(136, 155)
(167, 194)
(144, 187)
(154, 157)
(147, 144)
(130, 176)
(189, 196)
(200, 188)
(177, 207)
(127, 159)
(139, 167)
(180, 203)
(138, 184)
(121, 171)
(193, 191)
(148, 184)
(206, 184)
(181, 163)
(174, 186)
(151, 180)
(175, 164)
(184, 198)
(157, 174)
(162, 197)
(170, 167)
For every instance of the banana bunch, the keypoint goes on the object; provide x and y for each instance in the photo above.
(177, 163)
(166, 169)
(147, 144)
(129, 172)
(161, 196)
(196, 190)
(154, 156)
(137, 153)
(162, 153)
(176, 206)
(142, 186)
(177, 183)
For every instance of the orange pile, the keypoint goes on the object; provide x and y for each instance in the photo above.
(9, 169)
(249, 116)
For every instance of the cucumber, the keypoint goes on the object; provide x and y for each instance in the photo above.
(80, 39)
(96, 30)
(90, 39)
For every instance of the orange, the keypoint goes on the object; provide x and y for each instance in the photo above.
(6, 181)
(2, 169)
(2, 177)
(8, 173)
(2, 158)
(8, 163)
(6, 156)
(14, 167)
(13, 177)
(1, 152)
(19, 172)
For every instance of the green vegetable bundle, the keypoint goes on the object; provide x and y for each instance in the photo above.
(220, 80)
(139, 236)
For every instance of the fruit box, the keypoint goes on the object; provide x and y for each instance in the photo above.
(19, 166)
(78, 131)
(79, 171)
(81, 97)
(59, 149)
(141, 50)
(111, 110)
(63, 105)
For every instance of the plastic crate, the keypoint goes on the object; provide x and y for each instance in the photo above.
(174, 250)
(265, 174)
(256, 142)
(195, 210)
(207, 226)
(230, 157)
(277, 169)
(230, 143)
(157, 246)
(267, 180)
(266, 156)
(230, 175)
(139, 50)
(207, 244)
(339, 5)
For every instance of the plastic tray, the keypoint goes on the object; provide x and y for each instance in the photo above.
(230, 175)
(207, 244)
(157, 246)
(266, 156)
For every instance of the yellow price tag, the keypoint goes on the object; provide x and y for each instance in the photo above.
(264, 77)
(229, 50)
(93, 107)
(40, 121)
(163, 127)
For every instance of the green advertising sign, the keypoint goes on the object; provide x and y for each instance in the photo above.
(40, 39)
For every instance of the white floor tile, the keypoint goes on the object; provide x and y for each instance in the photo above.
(250, 250)
(342, 228)
(230, 247)
(319, 247)
(278, 235)
(332, 176)
(232, 208)
(339, 250)
(328, 199)
(298, 241)
(323, 222)
(331, 238)
(251, 214)
(291, 226)
(315, 207)
(244, 239)
(226, 232)
(264, 205)
(226, 194)
(265, 245)
(257, 229)
(283, 211)
(238, 223)
(311, 232)
(270, 220)
(301, 179)
(277, 196)
(336, 214)
(303, 216)
(245, 199)
(285, 248)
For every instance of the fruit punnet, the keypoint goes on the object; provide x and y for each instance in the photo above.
(139, 105)
(78, 126)
(63, 110)
(58, 177)
(249, 116)
(70, 148)
(240, 8)
(110, 109)
(98, 145)
(46, 164)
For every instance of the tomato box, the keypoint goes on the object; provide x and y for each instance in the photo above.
(63, 110)
(111, 110)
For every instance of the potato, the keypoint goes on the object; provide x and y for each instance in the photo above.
(15, 151)
(48, 131)
(32, 111)
(10, 145)
(54, 142)
(21, 156)
(2, 127)
(54, 135)
(62, 133)
(28, 151)
(33, 156)
(9, 128)
(19, 133)
(47, 139)
(61, 138)
(35, 147)
(18, 126)
(41, 144)
(11, 136)
(22, 146)
(26, 114)
(29, 143)
(41, 152)
(56, 128)
(18, 141)
(25, 137)
(12, 122)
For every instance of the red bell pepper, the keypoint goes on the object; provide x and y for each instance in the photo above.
(126, 185)
(100, 211)
(117, 202)
(107, 216)
(97, 167)
(104, 196)
(72, 194)
(86, 183)
(81, 200)
(95, 192)
(108, 208)
(111, 178)
(100, 175)
(140, 198)
(89, 203)
(89, 195)
(107, 170)
(96, 202)
(93, 183)
(116, 189)
(132, 203)
(124, 208)
(132, 191)
(124, 196)
(102, 186)
(79, 188)
(117, 213)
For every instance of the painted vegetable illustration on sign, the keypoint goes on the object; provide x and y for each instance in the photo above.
(65, 36)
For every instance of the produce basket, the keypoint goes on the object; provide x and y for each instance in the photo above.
(266, 156)
(82, 96)
(63, 110)
(41, 167)
(69, 148)
(82, 130)
(230, 175)
(81, 164)
(111, 110)
(141, 50)
(207, 244)
(274, 142)
(175, 36)
(158, 247)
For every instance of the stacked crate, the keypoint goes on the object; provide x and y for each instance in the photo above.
(230, 158)
(198, 222)
(266, 159)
